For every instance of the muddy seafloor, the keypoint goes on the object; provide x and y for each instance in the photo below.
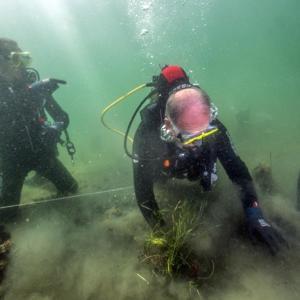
(89, 247)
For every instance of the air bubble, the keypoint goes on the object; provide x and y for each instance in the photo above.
(144, 32)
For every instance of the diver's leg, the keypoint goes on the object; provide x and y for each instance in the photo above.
(13, 177)
(52, 169)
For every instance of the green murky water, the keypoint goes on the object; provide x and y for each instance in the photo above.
(244, 53)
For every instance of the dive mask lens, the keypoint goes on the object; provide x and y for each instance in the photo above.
(21, 58)
(196, 139)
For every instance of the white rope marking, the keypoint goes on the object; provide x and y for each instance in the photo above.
(119, 189)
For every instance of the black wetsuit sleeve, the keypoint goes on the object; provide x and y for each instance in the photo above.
(144, 174)
(235, 168)
(56, 112)
(8, 115)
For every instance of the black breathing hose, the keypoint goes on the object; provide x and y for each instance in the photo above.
(131, 121)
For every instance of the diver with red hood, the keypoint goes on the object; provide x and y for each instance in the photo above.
(180, 136)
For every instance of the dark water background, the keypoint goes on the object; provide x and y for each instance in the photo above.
(244, 53)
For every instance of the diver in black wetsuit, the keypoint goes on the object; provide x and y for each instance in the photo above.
(180, 136)
(28, 141)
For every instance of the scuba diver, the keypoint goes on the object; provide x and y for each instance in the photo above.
(180, 136)
(28, 139)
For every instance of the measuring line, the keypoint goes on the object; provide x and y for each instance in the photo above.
(124, 188)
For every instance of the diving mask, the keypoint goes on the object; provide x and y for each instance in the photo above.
(23, 58)
(196, 138)
(173, 134)
(167, 134)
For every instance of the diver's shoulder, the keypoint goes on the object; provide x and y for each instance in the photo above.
(217, 123)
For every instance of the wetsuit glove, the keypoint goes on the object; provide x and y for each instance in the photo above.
(261, 231)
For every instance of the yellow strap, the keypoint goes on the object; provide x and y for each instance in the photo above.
(113, 104)
(201, 136)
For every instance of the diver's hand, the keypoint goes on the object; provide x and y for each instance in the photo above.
(261, 231)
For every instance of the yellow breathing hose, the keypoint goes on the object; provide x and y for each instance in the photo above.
(116, 102)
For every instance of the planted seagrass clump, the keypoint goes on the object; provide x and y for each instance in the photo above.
(262, 174)
(169, 252)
